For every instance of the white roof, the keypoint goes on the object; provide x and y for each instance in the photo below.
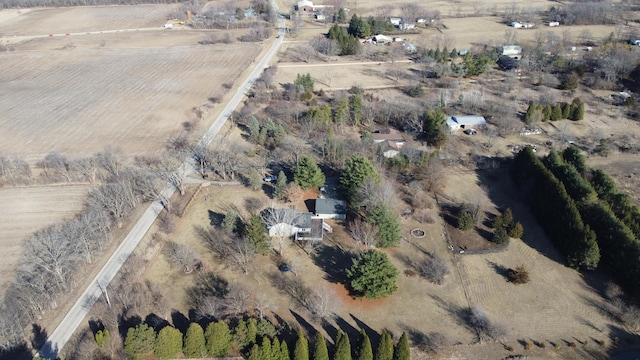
(459, 121)
(304, 3)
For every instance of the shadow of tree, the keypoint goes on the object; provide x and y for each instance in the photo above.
(333, 261)
(180, 321)
(499, 269)
(39, 336)
(215, 219)
(373, 335)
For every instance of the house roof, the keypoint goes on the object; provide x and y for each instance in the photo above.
(330, 206)
(382, 38)
(304, 3)
(387, 135)
(316, 231)
(511, 49)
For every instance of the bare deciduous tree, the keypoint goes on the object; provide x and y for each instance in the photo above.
(181, 256)
(238, 301)
(364, 232)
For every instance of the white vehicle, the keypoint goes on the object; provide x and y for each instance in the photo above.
(168, 26)
(270, 178)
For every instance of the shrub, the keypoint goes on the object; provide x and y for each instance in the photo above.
(519, 275)
(572, 344)
(435, 270)
(516, 231)
(500, 236)
(465, 220)
(528, 345)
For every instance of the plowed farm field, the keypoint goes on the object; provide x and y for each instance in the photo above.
(83, 99)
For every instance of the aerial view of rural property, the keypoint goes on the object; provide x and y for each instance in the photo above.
(319, 179)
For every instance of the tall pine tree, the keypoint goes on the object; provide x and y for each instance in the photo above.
(194, 342)
(385, 347)
(320, 351)
(365, 351)
(402, 351)
(343, 347)
(301, 351)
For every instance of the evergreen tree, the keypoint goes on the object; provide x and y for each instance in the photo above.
(255, 179)
(556, 113)
(265, 349)
(301, 350)
(257, 234)
(385, 347)
(435, 127)
(241, 335)
(284, 351)
(320, 351)
(343, 347)
(566, 110)
(546, 113)
(402, 350)
(304, 82)
(229, 222)
(578, 110)
(307, 174)
(168, 343)
(252, 330)
(255, 353)
(281, 184)
(102, 337)
(218, 338)
(388, 226)
(194, 342)
(530, 110)
(139, 341)
(358, 168)
(355, 108)
(342, 15)
(276, 351)
(358, 27)
(517, 231)
(365, 351)
(373, 275)
(500, 236)
(254, 130)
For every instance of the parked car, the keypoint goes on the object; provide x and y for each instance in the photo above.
(470, 131)
(270, 178)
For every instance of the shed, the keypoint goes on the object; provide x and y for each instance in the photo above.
(516, 24)
(465, 122)
(382, 39)
(331, 209)
(320, 16)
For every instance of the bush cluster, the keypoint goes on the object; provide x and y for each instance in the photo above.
(505, 225)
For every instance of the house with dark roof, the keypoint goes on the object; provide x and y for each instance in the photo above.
(331, 209)
(301, 226)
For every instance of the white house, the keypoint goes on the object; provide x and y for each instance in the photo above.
(512, 51)
(382, 39)
(554, 23)
(516, 24)
(465, 122)
(396, 21)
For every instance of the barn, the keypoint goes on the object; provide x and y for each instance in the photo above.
(465, 122)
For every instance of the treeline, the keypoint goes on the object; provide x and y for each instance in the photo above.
(7, 4)
(51, 257)
(562, 110)
(255, 340)
(596, 205)
(557, 212)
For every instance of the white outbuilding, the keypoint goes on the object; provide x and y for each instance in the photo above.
(465, 122)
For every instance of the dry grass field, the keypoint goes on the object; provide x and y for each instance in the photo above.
(24, 210)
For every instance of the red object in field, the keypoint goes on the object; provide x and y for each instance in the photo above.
(50, 34)
(67, 34)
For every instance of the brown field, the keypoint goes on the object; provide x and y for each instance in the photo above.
(24, 210)
(84, 19)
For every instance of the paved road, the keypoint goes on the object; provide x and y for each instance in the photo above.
(80, 309)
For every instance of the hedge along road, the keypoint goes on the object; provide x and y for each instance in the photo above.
(80, 309)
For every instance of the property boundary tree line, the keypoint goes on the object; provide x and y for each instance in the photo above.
(561, 110)
(593, 205)
(254, 339)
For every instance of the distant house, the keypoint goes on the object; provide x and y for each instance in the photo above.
(320, 16)
(513, 51)
(250, 12)
(516, 24)
(307, 7)
(407, 26)
(391, 141)
(554, 23)
(331, 209)
(396, 21)
(465, 122)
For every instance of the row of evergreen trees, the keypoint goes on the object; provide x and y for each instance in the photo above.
(557, 212)
(562, 110)
(386, 350)
(607, 216)
(256, 338)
